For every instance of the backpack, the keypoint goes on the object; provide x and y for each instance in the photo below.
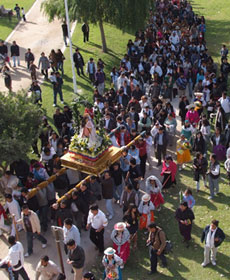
(168, 246)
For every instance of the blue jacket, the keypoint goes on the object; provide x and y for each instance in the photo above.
(219, 234)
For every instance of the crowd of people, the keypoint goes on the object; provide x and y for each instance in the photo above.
(166, 61)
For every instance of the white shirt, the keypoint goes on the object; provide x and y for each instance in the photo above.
(45, 158)
(98, 220)
(225, 104)
(13, 208)
(15, 254)
(47, 272)
(174, 39)
(156, 69)
(73, 233)
(216, 171)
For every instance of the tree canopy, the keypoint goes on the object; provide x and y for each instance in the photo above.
(124, 14)
(19, 126)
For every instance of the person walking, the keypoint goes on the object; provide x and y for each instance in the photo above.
(70, 231)
(60, 61)
(160, 144)
(45, 65)
(47, 270)
(7, 77)
(121, 241)
(185, 216)
(76, 258)
(79, 62)
(64, 32)
(157, 243)
(91, 70)
(107, 192)
(15, 259)
(213, 176)
(213, 237)
(29, 57)
(31, 225)
(200, 165)
(57, 82)
(146, 209)
(98, 221)
(128, 197)
(17, 10)
(85, 30)
(33, 72)
(23, 14)
(100, 81)
(112, 263)
(15, 53)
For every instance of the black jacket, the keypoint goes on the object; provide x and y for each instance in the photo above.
(77, 256)
(184, 215)
(219, 234)
(199, 145)
(58, 120)
(165, 139)
(85, 28)
(78, 59)
(14, 49)
(64, 29)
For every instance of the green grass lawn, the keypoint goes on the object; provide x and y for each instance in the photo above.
(183, 263)
(116, 43)
(7, 26)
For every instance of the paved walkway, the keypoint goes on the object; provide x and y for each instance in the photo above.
(39, 35)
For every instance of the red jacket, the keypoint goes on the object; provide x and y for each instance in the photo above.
(142, 148)
(126, 138)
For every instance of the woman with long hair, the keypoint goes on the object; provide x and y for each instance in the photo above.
(131, 218)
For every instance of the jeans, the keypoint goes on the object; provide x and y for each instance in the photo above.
(29, 237)
(213, 186)
(59, 91)
(60, 67)
(117, 190)
(16, 59)
(153, 259)
(109, 206)
(79, 67)
(42, 213)
(21, 272)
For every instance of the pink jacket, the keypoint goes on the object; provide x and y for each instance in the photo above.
(192, 117)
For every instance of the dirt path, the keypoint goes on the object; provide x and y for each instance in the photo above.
(39, 35)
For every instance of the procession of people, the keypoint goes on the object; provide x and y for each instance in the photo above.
(167, 63)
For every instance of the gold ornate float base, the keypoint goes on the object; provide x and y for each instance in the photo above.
(93, 168)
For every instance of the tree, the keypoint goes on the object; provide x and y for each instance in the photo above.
(124, 14)
(20, 124)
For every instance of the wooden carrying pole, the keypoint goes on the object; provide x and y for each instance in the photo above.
(52, 178)
(44, 184)
(57, 239)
